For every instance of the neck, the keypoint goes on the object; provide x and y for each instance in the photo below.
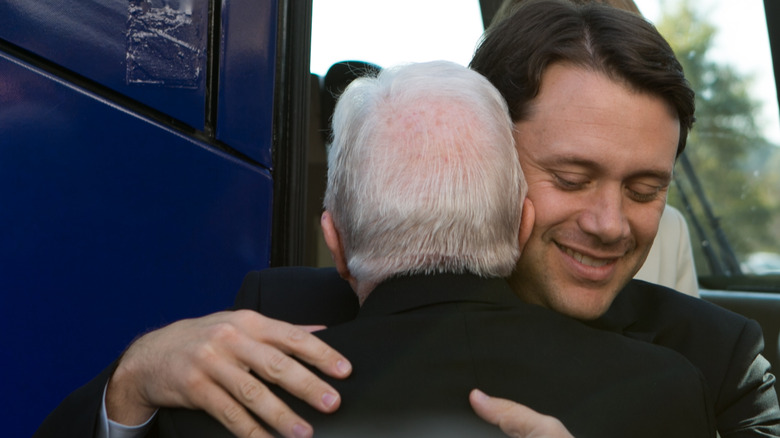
(362, 289)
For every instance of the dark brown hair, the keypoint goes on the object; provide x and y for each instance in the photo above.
(515, 52)
(509, 6)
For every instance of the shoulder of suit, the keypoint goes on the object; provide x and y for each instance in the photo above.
(654, 300)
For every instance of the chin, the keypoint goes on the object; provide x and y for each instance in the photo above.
(584, 308)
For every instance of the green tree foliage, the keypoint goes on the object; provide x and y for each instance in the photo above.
(730, 156)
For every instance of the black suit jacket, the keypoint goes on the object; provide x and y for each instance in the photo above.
(419, 344)
(725, 346)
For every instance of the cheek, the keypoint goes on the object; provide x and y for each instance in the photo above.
(547, 209)
(553, 206)
(644, 223)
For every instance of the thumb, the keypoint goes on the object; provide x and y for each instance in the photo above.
(496, 411)
(514, 419)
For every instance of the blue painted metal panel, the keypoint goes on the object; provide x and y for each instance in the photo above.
(247, 66)
(153, 51)
(111, 225)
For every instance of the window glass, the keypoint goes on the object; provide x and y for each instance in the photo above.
(728, 183)
(387, 33)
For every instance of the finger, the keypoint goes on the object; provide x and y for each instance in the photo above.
(251, 393)
(312, 328)
(489, 408)
(276, 367)
(313, 351)
(225, 409)
(514, 419)
(296, 341)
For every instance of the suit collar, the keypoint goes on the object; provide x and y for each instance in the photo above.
(404, 293)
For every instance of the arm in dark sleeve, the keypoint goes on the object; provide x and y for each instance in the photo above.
(749, 405)
(77, 415)
(299, 295)
(296, 295)
(725, 346)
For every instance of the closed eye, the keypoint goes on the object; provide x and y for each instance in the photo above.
(646, 193)
(569, 182)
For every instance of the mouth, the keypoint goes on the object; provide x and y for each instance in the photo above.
(586, 260)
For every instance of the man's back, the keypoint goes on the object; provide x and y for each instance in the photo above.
(420, 344)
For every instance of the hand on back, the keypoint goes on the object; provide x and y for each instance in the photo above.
(205, 363)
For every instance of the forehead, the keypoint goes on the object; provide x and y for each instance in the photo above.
(585, 117)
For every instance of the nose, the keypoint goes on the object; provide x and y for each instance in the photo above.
(604, 217)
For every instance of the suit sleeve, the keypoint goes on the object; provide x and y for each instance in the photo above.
(77, 415)
(749, 405)
(248, 296)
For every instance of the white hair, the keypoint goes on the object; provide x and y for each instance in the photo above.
(423, 175)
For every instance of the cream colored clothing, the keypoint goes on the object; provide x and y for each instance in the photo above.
(670, 262)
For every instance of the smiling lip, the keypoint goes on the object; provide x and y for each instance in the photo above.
(586, 260)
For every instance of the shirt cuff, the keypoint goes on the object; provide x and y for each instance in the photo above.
(111, 429)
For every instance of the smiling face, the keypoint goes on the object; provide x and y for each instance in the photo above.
(598, 158)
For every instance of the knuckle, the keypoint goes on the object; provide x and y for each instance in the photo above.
(204, 354)
(296, 334)
(276, 365)
(244, 316)
(232, 413)
(193, 381)
(234, 417)
(223, 332)
(257, 432)
(310, 386)
(282, 417)
(251, 390)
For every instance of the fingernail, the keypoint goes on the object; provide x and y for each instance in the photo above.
(344, 367)
(301, 431)
(329, 399)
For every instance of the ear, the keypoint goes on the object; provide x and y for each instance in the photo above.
(333, 241)
(526, 223)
